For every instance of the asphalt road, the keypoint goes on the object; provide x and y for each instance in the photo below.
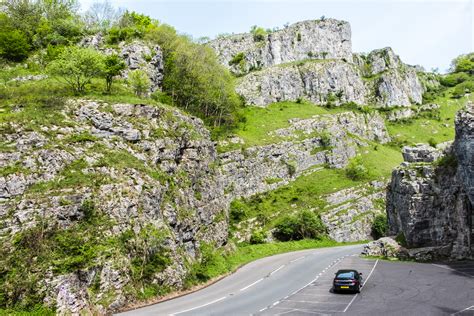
(254, 286)
(299, 283)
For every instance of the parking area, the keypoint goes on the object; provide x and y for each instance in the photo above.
(391, 288)
(318, 298)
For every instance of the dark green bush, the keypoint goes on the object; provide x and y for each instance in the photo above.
(257, 237)
(356, 170)
(14, 45)
(450, 80)
(305, 224)
(237, 59)
(379, 226)
(461, 89)
(259, 33)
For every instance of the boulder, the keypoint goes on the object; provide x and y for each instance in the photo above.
(384, 247)
(421, 153)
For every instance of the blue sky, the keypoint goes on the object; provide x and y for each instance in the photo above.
(428, 33)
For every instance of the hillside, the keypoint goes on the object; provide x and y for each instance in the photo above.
(136, 162)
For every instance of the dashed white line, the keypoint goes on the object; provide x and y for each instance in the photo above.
(244, 288)
(279, 268)
(355, 296)
(294, 260)
(188, 310)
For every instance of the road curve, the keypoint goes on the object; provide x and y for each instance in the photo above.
(255, 286)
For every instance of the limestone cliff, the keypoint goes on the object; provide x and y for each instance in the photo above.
(431, 203)
(328, 38)
(313, 60)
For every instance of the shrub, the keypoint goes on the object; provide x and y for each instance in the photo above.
(113, 66)
(356, 170)
(237, 59)
(464, 63)
(305, 224)
(432, 142)
(257, 237)
(401, 240)
(453, 79)
(259, 33)
(139, 82)
(237, 211)
(291, 168)
(14, 45)
(379, 226)
(325, 139)
(77, 66)
(461, 89)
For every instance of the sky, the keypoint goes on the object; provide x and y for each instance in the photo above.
(429, 33)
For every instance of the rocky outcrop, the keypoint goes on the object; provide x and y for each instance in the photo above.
(383, 247)
(320, 82)
(349, 213)
(146, 171)
(430, 203)
(323, 139)
(319, 39)
(313, 60)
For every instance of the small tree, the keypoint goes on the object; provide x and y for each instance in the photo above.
(113, 65)
(77, 66)
(379, 226)
(13, 45)
(139, 82)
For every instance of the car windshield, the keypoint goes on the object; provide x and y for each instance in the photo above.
(346, 275)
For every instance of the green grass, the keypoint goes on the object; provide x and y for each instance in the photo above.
(259, 122)
(422, 130)
(218, 262)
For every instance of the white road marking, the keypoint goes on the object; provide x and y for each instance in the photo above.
(188, 310)
(355, 296)
(279, 268)
(448, 268)
(294, 260)
(466, 309)
(244, 288)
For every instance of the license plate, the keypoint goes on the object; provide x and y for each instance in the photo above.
(344, 287)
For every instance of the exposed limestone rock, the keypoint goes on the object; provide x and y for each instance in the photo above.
(380, 60)
(169, 181)
(420, 153)
(349, 213)
(137, 55)
(384, 247)
(430, 203)
(249, 172)
(400, 115)
(317, 81)
(319, 39)
(397, 87)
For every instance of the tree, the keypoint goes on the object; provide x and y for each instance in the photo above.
(139, 82)
(305, 224)
(464, 63)
(14, 45)
(113, 65)
(102, 15)
(77, 66)
(379, 226)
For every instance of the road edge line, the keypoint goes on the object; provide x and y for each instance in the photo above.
(353, 299)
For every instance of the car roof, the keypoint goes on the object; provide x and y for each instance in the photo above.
(346, 270)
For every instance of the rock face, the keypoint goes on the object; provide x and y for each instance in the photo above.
(332, 140)
(313, 60)
(431, 204)
(316, 81)
(349, 213)
(318, 39)
(146, 170)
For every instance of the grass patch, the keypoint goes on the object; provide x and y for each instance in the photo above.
(217, 262)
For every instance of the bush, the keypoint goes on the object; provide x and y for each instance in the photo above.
(379, 226)
(464, 63)
(259, 33)
(453, 79)
(237, 59)
(356, 170)
(461, 89)
(257, 237)
(77, 66)
(401, 239)
(14, 45)
(113, 66)
(305, 224)
(139, 82)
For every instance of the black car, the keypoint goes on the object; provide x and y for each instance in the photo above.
(347, 280)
